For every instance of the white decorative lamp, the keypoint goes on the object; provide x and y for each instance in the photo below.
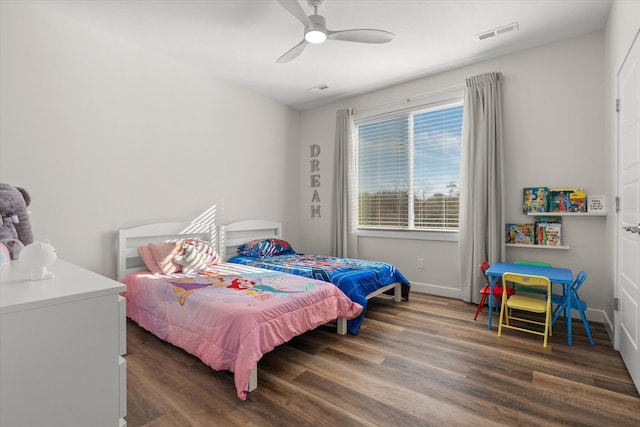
(37, 257)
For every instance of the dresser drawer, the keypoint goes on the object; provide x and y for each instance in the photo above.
(59, 340)
(123, 386)
(122, 324)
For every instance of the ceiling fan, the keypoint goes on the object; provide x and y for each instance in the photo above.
(315, 30)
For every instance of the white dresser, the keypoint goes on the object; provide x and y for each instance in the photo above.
(61, 342)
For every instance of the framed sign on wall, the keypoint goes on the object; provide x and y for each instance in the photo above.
(596, 204)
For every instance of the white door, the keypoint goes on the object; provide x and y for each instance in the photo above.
(628, 287)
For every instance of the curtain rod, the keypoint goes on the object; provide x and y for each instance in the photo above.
(410, 98)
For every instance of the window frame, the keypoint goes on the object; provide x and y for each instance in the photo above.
(379, 113)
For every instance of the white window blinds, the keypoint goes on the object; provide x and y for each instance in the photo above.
(408, 168)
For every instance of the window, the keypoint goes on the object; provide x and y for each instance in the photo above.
(408, 168)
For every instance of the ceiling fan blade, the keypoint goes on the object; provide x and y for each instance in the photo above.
(293, 53)
(294, 8)
(361, 36)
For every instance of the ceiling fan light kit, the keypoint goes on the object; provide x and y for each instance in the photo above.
(315, 30)
(315, 36)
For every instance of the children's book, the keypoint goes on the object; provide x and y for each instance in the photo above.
(542, 225)
(553, 235)
(535, 199)
(521, 234)
(577, 201)
(560, 200)
(508, 236)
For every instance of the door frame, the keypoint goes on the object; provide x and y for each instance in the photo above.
(618, 221)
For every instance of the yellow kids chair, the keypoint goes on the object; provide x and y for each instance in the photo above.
(525, 303)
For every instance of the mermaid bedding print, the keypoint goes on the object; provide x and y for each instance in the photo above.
(231, 315)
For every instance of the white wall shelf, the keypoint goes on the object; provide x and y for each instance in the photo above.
(521, 245)
(567, 213)
(539, 214)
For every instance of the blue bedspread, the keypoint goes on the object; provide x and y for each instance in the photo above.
(356, 278)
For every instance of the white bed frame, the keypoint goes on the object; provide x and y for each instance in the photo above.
(235, 234)
(129, 260)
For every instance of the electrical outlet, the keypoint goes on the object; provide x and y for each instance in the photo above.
(420, 262)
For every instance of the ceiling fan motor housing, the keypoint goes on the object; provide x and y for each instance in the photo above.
(316, 31)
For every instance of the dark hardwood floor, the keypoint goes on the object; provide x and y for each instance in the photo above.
(424, 362)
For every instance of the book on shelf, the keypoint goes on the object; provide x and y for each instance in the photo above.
(577, 201)
(534, 199)
(567, 200)
(553, 235)
(520, 234)
(548, 231)
(540, 228)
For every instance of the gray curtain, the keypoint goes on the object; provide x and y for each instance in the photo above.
(343, 240)
(481, 182)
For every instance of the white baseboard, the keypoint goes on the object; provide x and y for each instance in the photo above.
(441, 291)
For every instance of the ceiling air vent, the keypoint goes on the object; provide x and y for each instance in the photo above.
(318, 88)
(486, 35)
(497, 31)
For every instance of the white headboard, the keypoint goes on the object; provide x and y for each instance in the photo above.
(233, 235)
(129, 259)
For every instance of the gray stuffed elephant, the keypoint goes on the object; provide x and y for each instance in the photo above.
(15, 229)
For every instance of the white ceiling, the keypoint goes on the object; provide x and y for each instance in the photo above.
(240, 40)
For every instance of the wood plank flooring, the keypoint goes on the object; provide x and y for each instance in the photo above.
(424, 362)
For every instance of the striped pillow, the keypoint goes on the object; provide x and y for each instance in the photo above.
(195, 255)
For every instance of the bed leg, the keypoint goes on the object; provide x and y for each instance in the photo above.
(253, 379)
(342, 325)
(397, 292)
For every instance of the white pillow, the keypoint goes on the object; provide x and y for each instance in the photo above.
(195, 255)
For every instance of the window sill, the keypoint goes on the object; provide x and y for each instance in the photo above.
(445, 236)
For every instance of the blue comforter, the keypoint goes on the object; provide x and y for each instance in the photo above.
(356, 278)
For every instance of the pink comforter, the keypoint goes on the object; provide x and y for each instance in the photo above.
(232, 315)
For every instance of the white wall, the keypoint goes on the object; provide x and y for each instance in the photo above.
(105, 135)
(622, 27)
(553, 100)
